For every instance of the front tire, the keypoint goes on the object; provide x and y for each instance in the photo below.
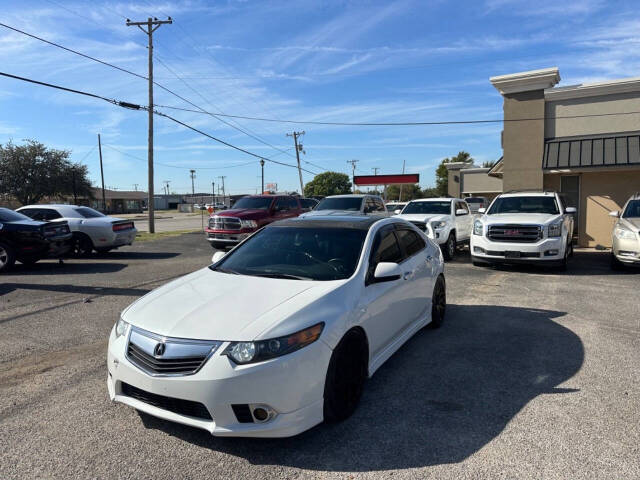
(438, 302)
(7, 257)
(449, 248)
(346, 376)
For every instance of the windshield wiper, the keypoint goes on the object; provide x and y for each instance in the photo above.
(225, 270)
(280, 275)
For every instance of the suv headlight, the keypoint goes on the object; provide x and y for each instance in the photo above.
(438, 224)
(243, 353)
(478, 228)
(623, 233)
(555, 229)
(121, 328)
(248, 224)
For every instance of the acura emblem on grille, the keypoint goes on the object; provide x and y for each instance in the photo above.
(158, 351)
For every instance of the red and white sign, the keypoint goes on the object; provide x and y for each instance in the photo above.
(401, 178)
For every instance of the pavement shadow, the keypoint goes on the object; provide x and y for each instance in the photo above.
(68, 267)
(134, 255)
(441, 398)
(68, 288)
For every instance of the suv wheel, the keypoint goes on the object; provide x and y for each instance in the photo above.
(7, 257)
(449, 247)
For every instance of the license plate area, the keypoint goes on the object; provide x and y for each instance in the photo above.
(511, 254)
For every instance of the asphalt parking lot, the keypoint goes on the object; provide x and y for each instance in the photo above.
(535, 374)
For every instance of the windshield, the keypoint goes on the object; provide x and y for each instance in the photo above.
(351, 204)
(475, 200)
(438, 208)
(259, 203)
(537, 204)
(297, 253)
(7, 215)
(632, 210)
(87, 212)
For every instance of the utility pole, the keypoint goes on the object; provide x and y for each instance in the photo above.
(262, 167)
(375, 170)
(353, 172)
(166, 186)
(223, 193)
(104, 202)
(400, 196)
(135, 187)
(213, 192)
(152, 25)
(295, 136)
(193, 176)
(73, 174)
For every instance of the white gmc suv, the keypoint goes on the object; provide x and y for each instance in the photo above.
(524, 227)
(446, 221)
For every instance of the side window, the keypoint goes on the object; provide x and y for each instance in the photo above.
(379, 205)
(462, 206)
(385, 249)
(282, 204)
(293, 203)
(410, 241)
(33, 213)
(49, 214)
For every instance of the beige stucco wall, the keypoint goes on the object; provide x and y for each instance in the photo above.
(568, 127)
(600, 193)
(476, 182)
(453, 187)
(523, 142)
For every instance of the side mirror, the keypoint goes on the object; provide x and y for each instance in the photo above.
(570, 210)
(615, 214)
(218, 256)
(482, 210)
(461, 211)
(398, 211)
(386, 272)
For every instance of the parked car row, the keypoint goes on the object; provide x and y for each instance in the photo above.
(34, 232)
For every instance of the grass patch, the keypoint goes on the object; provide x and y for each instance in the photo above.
(150, 237)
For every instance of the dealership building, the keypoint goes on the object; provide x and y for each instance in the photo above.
(580, 140)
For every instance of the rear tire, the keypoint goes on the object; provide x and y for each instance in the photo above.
(7, 257)
(346, 376)
(438, 302)
(82, 245)
(449, 247)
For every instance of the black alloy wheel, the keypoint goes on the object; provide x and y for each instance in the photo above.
(82, 245)
(7, 257)
(346, 377)
(449, 250)
(438, 303)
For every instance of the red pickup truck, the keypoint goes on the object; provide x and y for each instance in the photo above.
(230, 227)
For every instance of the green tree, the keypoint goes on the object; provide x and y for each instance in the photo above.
(430, 192)
(409, 192)
(32, 171)
(328, 183)
(442, 174)
(488, 164)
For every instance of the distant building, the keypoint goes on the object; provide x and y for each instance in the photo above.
(470, 181)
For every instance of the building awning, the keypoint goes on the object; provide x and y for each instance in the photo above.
(604, 150)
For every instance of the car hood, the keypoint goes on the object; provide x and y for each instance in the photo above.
(632, 222)
(247, 213)
(211, 305)
(520, 218)
(424, 217)
(340, 213)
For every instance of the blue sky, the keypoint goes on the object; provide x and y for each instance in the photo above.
(328, 61)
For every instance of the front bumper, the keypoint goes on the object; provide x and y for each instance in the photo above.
(229, 237)
(546, 250)
(626, 250)
(292, 385)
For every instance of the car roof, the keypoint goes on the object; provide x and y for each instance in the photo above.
(356, 222)
(536, 193)
(438, 199)
(349, 195)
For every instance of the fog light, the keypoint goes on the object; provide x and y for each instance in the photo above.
(478, 250)
(262, 413)
(550, 253)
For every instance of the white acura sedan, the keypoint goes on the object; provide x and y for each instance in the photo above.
(280, 333)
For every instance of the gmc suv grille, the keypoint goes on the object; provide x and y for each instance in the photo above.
(515, 233)
(224, 223)
(175, 405)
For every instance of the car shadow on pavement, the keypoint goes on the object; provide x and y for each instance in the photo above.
(134, 255)
(78, 289)
(71, 267)
(445, 395)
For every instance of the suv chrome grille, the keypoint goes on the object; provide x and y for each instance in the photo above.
(165, 356)
(224, 223)
(515, 233)
(420, 225)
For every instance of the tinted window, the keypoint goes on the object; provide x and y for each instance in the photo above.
(49, 214)
(392, 207)
(387, 250)
(293, 203)
(282, 204)
(260, 203)
(33, 213)
(436, 208)
(463, 206)
(312, 253)
(632, 210)
(379, 205)
(479, 200)
(410, 241)
(87, 212)
(537, 204)
(7, 215)
(308, 202)
(340, 203)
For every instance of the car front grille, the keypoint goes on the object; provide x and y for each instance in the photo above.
(522, 254)
(224, 223)
(420, 225)
(515, 233)
(166, 356)
(188, 408)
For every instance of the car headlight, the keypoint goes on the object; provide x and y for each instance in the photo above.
(249, 224)
(555, 229)
(438, 224)
(121, 327)
(478, 228)
(252, 352)
(624, 233)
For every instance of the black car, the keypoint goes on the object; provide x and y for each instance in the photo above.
(28, 241)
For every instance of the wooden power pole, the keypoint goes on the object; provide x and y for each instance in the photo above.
(295, 136)
(152, 25)
(104, 201)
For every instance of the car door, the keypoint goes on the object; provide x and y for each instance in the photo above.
(417, 267)
(464, 222)
(382, 303)
(281, 209)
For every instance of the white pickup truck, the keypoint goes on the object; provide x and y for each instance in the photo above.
(524, 227)
(447, 221)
